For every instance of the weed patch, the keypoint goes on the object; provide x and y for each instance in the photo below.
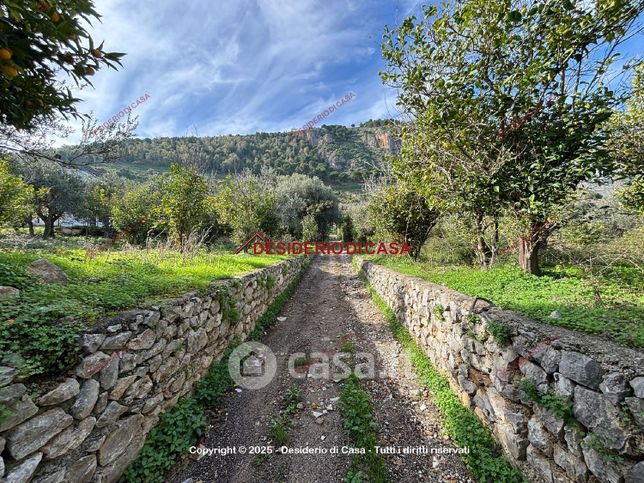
(361, 428)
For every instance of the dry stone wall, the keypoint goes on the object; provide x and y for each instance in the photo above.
(91, 424)
(600, 382)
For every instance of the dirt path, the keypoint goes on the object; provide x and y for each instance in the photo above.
(329, 308)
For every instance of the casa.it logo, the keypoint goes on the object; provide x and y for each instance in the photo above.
(260, 244)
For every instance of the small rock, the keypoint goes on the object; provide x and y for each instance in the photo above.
(638, 386)
(47, 272)
(91, 342)
(7, 293)
(555, 314)
(24, 472)
(614, 387)
(581, 369)
(33, 434)
(317, 414)
(86, 399)
(281, 319)
(7, 374)
(62, 393)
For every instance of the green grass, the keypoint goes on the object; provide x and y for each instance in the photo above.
(361, 428)
(485, 459)
(619, 316)
(41, 325)
(280, 426)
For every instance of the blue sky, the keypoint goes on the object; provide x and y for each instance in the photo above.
(243, 66)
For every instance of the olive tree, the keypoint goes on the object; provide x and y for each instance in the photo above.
(400, 211)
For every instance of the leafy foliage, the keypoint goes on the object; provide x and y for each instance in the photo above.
(627, 144)
(560, 406)
(500, 332)
(401, 211)
(175, 432)
(509, 100)
(16, 197)
(184, 202)
(333, 153)
(41, 39)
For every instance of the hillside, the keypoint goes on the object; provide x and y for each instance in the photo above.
(337, 154)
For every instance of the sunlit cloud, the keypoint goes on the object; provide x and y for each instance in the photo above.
(242, 66)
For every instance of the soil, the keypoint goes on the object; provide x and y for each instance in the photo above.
(329, 308)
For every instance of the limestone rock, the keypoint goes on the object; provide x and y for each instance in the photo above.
(598, 466)
(581, 369)
(36, 432)
(552, 423)
(19, 410)
(563, 385)
(56, 476)
(82, 471)
(113, 411)
(117, 441)
(69, 439)
(12, 393)
(24, 471)
(535, 373)
(47, 272)
(598, 414)
(121, 386)
(636, 406)
(613, 387)
(7, 374)
(540, 463)
(62, 393)
(539, 437)
(86, 399)
(109, 374)
(7, 293)
(116, 342)
(467, 385)
(92, 364)
(574, 466)
(91, 342)
(636, 475)
(638, 386)
(514, 443)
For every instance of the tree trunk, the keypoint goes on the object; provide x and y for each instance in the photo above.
(49, 227)
(529, 255)
(30, 225)
(483, 251)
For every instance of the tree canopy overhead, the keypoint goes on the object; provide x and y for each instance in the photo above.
(510, 100)
(38, 41)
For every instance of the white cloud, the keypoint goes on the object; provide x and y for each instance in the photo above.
(240, 66)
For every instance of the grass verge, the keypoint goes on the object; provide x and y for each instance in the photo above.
(617, 314)
(361, 428)
(485, 460)
(179, 427)
(41, 325)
